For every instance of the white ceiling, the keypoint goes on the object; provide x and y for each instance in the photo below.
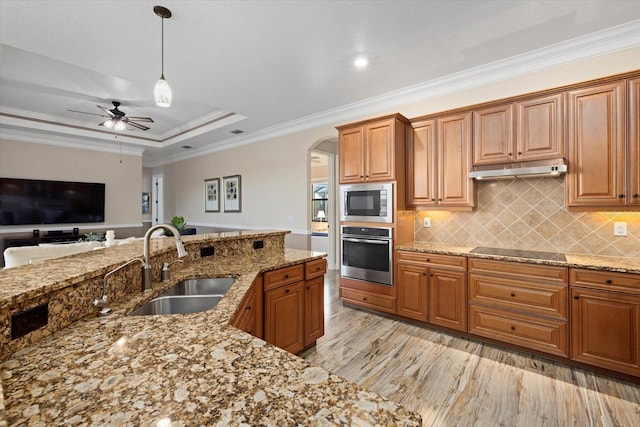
(259, 66)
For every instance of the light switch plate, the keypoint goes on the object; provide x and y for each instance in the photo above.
(619, 228)
(426, 222)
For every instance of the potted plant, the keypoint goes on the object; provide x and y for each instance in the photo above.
(179, 223)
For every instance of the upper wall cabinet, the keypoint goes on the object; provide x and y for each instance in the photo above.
(601, 165)
(531, 129)
(372, 151)
(438, 163)
(634, 142)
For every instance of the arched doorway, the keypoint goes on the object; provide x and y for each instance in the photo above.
(323, 199)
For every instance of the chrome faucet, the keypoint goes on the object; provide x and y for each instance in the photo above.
(166, 273)
(103, 302)
(147, 264)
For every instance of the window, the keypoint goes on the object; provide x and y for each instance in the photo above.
(319, 202)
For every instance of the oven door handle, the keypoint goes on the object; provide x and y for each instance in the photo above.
(374, 242)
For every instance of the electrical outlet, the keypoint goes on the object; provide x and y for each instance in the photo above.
(620, 229)
(426, 222)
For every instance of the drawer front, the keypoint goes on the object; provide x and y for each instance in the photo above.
(284, 276)
(532, 298)
(315, 268)
(376, 302)
(606, 280)
(547, 335)
(433, 259)
(519, 269)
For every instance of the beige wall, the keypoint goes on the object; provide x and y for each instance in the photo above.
(123, 180)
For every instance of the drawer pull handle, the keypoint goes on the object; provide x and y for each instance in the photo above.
(248, 307)
(513, 328)
(513, 294)
(287, 291)
(620, 196)
(317, 268)
(635, 195)
(576, 297)
(286, 276)
(364, 299)
(609, 281)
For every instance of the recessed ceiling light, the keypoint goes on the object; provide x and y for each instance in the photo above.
(361, 62)
(236, 131)
(187, 147)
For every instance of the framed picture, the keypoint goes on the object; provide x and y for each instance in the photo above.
(232, 193)
(212, 195)
(146, 202)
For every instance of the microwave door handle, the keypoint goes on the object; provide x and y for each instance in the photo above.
(374, 242)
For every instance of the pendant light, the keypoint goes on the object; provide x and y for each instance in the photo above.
(162, 91)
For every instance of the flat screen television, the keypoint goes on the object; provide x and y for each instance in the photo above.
(34, 201)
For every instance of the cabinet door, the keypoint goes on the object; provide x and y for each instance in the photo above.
(351, 153)
(411, 292)
(379, 151)
(454, 154)
(597, 164)
(448, 298)
(605, 329)
(313, 310)
(540, 127)
(284, 319)
(634, 142)
(493, 135)
(421, 164)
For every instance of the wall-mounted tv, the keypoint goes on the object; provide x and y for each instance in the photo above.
(33, 201)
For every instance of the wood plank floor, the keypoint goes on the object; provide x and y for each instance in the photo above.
(453, 381)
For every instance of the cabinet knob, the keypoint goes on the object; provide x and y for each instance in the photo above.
(509, 154)
(433, 200)
(513, 294)
(248, 307)
(428, 259)
(286, 276)
(576, 297)
(513, 328)
(620, 196)
(439, 199)
(635, 196)
(609, 281)
(364, 299)
(424, 274)
(308, 287)
(519, 153)
(287, 291)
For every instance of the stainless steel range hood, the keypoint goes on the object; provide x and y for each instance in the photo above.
(549, 168)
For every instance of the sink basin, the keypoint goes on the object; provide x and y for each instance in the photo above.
(202, 286)
(188, 296)
(177, 305)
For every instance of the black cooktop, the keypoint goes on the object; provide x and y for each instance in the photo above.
(518, 253)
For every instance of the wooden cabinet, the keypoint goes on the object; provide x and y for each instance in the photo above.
(605, 319)
(294, 305)
(313, 310)
(249, 316)
(439, 159)
(370, 300)
(373, 150)
(522, 304)
(284, 317)
(597, 175)
(432, 288)
(634, 143)
(528, 129)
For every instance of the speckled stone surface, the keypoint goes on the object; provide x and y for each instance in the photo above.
(603, 263)
(181, 369)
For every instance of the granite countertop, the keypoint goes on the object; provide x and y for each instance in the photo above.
(592, 262)
(176, 370)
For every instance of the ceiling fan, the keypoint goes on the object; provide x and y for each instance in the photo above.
(117, 119)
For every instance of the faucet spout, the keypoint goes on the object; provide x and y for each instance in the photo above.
(148, 276)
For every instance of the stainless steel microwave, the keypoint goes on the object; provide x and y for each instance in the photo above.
(367, 202)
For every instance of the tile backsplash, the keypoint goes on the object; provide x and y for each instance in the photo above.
(530, 214)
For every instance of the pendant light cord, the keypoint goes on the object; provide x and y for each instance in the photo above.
(162, 55)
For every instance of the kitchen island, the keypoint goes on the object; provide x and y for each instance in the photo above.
(192, 369)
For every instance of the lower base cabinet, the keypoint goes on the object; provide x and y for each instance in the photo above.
(313, 310)
(284, 317)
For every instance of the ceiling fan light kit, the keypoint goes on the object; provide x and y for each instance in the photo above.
(162, 91)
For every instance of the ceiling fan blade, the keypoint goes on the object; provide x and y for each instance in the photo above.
(136, 125)
(106, 111)
(102, 124)
(84, 112)
(141, 119)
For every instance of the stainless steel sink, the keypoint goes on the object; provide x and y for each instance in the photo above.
(188, 296)
(202, 286)
(177, 305)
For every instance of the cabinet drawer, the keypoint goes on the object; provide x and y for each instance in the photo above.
(365, 299)
(523, 270)
(283, 276)
(547, 335)
(433, 259)
(315, 268)
(533, 298)
(606, 280)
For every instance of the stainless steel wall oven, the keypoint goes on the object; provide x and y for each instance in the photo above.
(367, 254)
